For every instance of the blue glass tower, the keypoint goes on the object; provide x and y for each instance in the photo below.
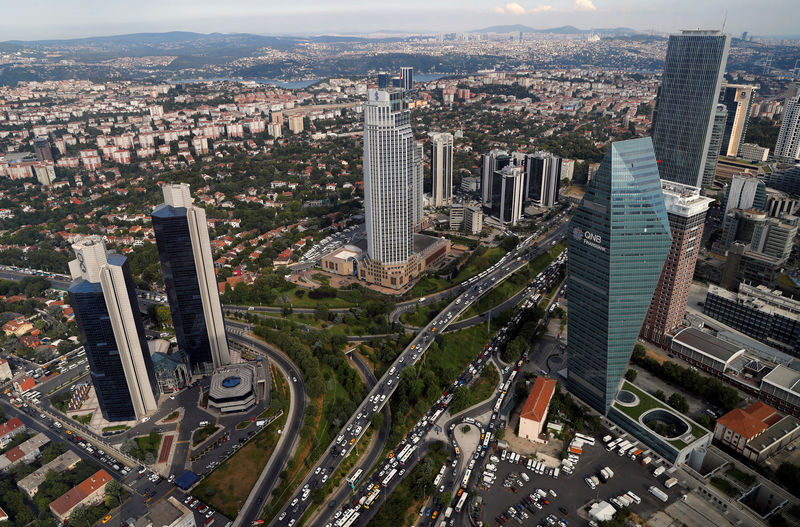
(189, 280)
(119, 361)
(618, 243)
(686, 104)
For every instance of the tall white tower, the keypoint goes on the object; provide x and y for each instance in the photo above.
(442, 169)
(787, 148)
(392, 177)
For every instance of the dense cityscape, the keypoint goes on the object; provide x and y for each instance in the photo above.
(548, 277)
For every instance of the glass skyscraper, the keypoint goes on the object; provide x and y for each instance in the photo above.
(618, 243)
(189, 279)
(687, 102)
(107, 312)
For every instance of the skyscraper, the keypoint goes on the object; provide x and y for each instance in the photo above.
(738, 99)
(684, 113)
(507, 187)
(619, 240)
(189, 279)
(787, 148)
(686, 211)
(392, 178)
(542, 178)
(744, 192)
(407, 76)
(441, 169)
(492, 162)
(383, 80)
(714, 145)
(107, 312)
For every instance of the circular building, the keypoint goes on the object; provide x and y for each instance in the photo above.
(232, 388)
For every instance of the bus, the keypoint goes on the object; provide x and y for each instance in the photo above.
(465, 480)
(461, 501)
(612, 445)
(353, 480)
(345, 517)
(371, 498)
(405, 454)
(589, 440)
(389, 477)
(351, 520)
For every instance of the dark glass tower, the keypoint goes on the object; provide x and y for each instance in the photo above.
(714, 145)
(686, 103)
(618, 243)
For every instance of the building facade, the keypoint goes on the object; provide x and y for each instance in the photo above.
(787, 148)
(738, 100)
(534, 412)
(441, 169)
(743, 192)
(684, 112)
(753, 153)
(619, 240)
(507, 190)
(542, 178)
(490, 163)
(714, 145)
(686, 210)
(392, 178)
(189, 279)
(107, 312)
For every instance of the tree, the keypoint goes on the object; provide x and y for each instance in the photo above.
(80, 516)
(678, 402)
(113, 493)
(631, 374)
(660, 395)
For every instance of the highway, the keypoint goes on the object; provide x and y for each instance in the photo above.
(239, 332)
(376, 399)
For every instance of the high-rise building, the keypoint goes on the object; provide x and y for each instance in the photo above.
(684, 113)
(41, 146)
(714, 145)
(392, 177)
(738, 99)
(189, 279)
(686, 211)
(619, 240)
(507, 187)
(107, 312)
(787, 148)
(441, 169)
(407, 77)
(743, 192)
(542, 178)
(384, 79)
(492, 162)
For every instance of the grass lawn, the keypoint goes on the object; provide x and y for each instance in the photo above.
(115, 428)
(479, 390)
(83, 419)
(479, 263)
(227, 487)
(725, 486)
(423, 314)
(201, 434)
(147, 444)
(745, 478)
(172, 416)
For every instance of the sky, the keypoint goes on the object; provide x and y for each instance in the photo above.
(57, 19)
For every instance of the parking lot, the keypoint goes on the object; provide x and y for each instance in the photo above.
(572, 492)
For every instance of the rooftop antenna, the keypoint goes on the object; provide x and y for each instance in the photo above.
(724, 20)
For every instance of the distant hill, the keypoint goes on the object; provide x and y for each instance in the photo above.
(563, 30)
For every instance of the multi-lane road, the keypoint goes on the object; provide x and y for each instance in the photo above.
(377, 397)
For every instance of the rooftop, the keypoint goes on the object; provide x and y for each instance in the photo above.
(775, 432)
(539, 399)
(749, 422)
(785, 378)
(707, 344)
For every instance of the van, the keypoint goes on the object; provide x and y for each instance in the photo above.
(204, 423)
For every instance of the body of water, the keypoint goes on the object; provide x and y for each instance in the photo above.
(297, 85)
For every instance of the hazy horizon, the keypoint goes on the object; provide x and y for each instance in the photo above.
(92, 18)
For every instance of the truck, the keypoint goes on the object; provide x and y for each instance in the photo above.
(607, 439)
(606, 474)
(448, 512)
(645, 461)
(658, 471)
(635, 453)
(556, 472)
(595, 480)
(488, 479)
(671, 482)
(658, 493)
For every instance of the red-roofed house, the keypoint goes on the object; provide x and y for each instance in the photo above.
(9, 429)
(23, 385)
(534, 413)
(88, 492)
(756, 431)
(284, 258)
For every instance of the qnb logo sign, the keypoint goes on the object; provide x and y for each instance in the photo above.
(589, 238)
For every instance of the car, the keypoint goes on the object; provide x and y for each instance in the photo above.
(294, 502)
(294, 379)
(202, 509)
(562, 510)
(187, 500)
(210, 513)
(283, 515)
(291, 522)
(107, 518)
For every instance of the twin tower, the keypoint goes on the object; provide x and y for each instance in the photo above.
(107, 310)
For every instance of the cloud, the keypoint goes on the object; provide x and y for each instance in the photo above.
(512, 8)
(585, 5)
(542, 9)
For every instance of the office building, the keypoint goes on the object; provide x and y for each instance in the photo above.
(756, 432)
(754, 153)
(781, 204)
(758, 312)
(743, 192)
(189, 279)
(110, 324)
(714, 145)
(619, 240)
(738, 100)
(490, 163)
(441, 169)
(467, 217)
(686, 211)
(786, 180)
(542, 178)
(392, 186)
(41, 146)
(760, 233)
(384, 79)
(787, 148)
(407, 77)
(685, 107)
(507, 187)
(168, 513)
